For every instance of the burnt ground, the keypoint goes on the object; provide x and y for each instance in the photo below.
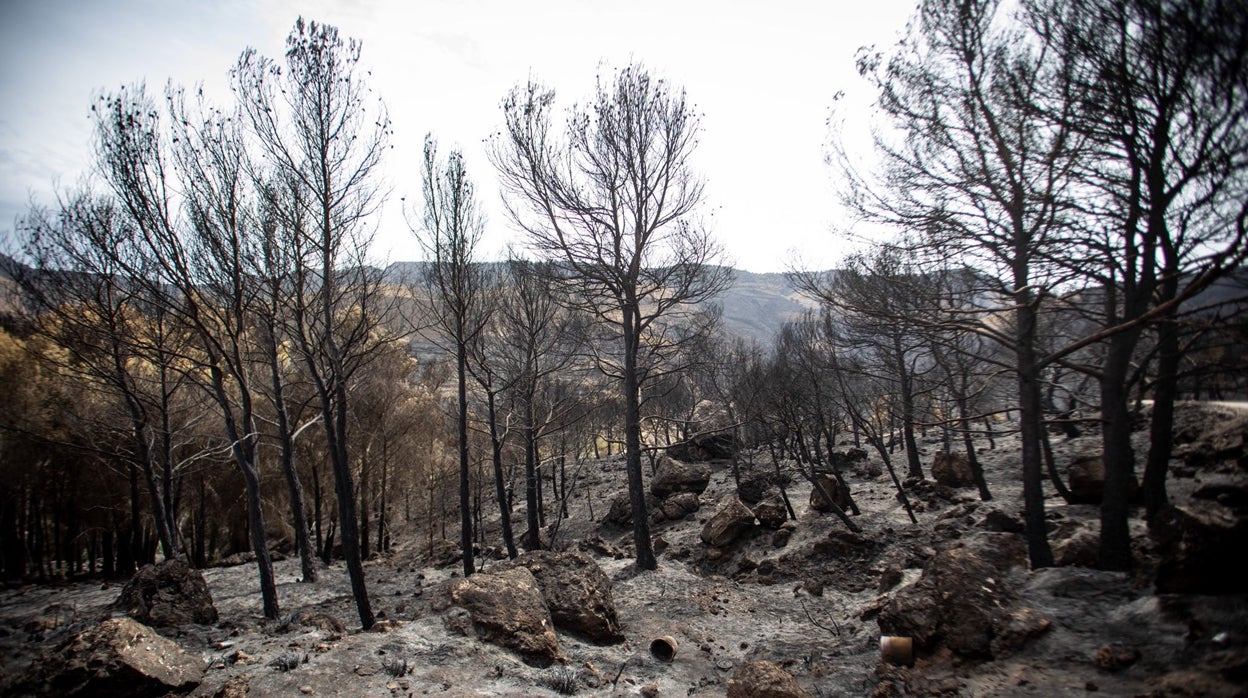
(810, 605)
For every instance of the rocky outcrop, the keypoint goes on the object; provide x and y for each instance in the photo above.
(962, 601)
(508, 609)
(1196, 541)
(731, 519)
(703, 448)
(771, 513)
(839, 494)
(847, 458)
(764, 680)
(576, 592)
(674, 476)
(620, 512)
(952, 469)
(1086, 480)
(753, 489)
(676, 507)
(167, 594)
(118, 657)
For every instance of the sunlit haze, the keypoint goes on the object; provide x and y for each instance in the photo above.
(764, 76)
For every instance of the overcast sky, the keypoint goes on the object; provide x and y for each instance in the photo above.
(764, 75)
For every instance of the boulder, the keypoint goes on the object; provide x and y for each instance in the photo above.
(506, 608)
(842, 543)
(576, 591)
(960, 602)
(1115, 657)
(118, 657)
(1079, 549)
(781, 538)
(771, 513)
(847, 458)
(1017, 629)
(1003, 522)
(763, 680)
(620, 513)
(1086, 480)
(444, 553)
(753, 489)
(675, 476)
(167, 594)
(679, 505)
(1195, 542)
(952, 469)
(839, 494)
(236, 687)
(703, 448)
(731, 519)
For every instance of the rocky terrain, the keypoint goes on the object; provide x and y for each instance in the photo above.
(743, 603)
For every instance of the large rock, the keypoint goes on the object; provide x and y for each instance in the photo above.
(703, 448)
(1086, 480)
(620, 511)
(753, 489)
(952, 469)
(167, 594)
(678, 506)
(508, 609)
(118, 657)
(771, 513)
(1197, 543)
(961, 601)
(840, 495)
(576, 591)
(731, 519)
(764, 680)
(847, 458)
(675, 476)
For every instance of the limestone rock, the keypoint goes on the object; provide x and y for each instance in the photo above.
(1195, 542)
(679, 505)
(1017, 629)
(703, 448)
(620, 513)
(675, 476)
(508, 609)
(731, 519)
(952, 469)
(771, 513)
(1003, 522)
(167, 594)
(1115, 657)
(118, 657)
(764, 680)
(960, 601)
(576, 591)
(1086, 480)
(753, 489)
(839, 494)
(848, 457)
(1079, 549)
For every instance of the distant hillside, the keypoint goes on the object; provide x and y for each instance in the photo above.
(755, 307)
(758, 305)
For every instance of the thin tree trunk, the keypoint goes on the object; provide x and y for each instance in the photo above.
(632, 439)
(1117, 455)
(500, 486)
(465, 491)
(1161, 444)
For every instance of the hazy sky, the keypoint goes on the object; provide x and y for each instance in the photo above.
(764, 76)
